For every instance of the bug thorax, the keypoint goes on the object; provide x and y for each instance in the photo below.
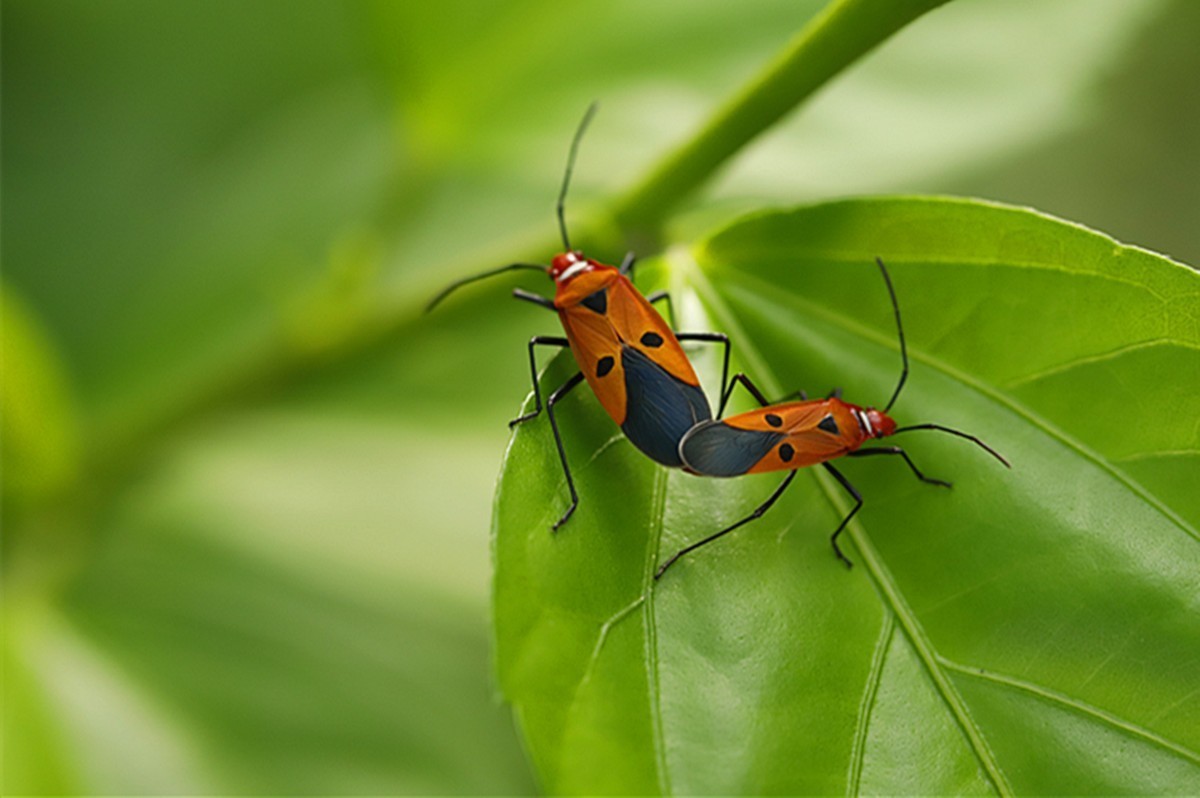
(875, 423)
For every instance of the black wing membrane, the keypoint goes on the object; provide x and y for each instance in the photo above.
(660, 409)
(716, 449)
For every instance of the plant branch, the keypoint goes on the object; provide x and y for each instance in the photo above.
(843, 32)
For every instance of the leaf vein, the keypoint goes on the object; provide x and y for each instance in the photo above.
(602, 638)
(1100, 357)
(1078, 706)
(859, 750)
(1137, 456)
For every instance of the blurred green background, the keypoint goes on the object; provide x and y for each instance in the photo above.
(247, 485)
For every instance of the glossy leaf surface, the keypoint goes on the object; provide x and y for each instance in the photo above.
(1029, 631)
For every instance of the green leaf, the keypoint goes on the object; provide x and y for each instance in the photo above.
(1029, 631)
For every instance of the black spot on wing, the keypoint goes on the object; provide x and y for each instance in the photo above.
(773, 420)
(652, 339)
(604, 365)
(659, 409)
(829, 425)
(716, 449)
(787, 452)
(597, 301)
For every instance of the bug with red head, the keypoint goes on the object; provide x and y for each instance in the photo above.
(625, 350)
(791, 435)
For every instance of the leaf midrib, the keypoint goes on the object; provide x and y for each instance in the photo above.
(654, 540)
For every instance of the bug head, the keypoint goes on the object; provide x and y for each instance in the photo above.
(563, 262)
(876, 423)
(568, 265)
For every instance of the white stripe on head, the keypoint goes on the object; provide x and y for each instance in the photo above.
(865, 422)
(575, 269)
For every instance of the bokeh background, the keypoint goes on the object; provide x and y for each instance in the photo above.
(247, 485)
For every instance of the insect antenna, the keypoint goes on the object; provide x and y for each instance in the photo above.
(900, 330)
(562, 195)
(445, 292)
(971, 438)
(562, 223)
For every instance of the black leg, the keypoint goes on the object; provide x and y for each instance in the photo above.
(858, 502)
(537, 340)
(664, 296)
(834, 393)
(559, 393)
(626, 267)
(907, 459)
(536, 299)
(757, 393)
(712, 337)
(762, 508)
(562, 453)
(740, 377)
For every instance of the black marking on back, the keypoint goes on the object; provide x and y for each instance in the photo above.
(829, 425)
(773, 420)
(659, 408)
(652, 339)
(597, 301)
(787, 452)
(604, 365)
(716, 449)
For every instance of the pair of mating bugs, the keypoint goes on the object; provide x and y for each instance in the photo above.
(633, 361)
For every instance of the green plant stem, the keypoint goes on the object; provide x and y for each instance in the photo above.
(843, 32)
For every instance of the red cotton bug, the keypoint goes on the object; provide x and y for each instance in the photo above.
(791, 435)
(626, 351)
